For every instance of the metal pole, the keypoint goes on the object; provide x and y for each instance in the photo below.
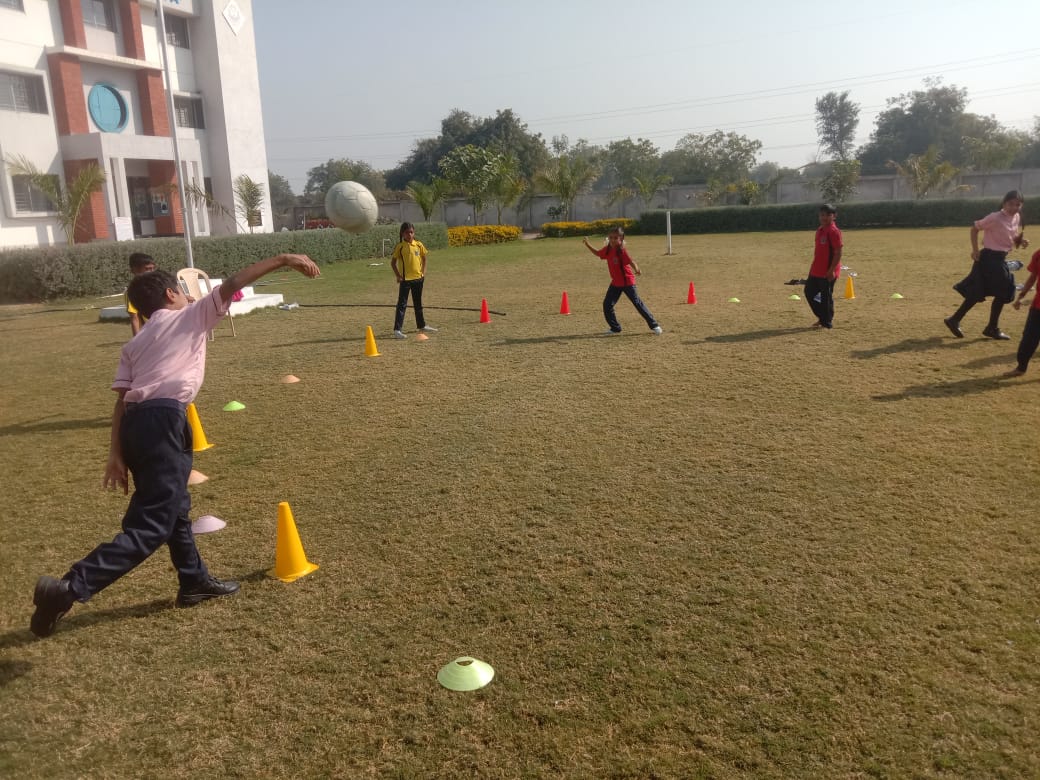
(173, 133)
(668, 226)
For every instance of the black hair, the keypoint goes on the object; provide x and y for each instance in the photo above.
(139, 260)
(404, 226)
(1013, 195)
(827, 208)
(147, 292)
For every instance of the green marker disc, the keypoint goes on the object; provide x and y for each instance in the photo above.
(465, 674)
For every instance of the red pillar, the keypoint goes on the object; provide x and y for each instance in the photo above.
(93, 219)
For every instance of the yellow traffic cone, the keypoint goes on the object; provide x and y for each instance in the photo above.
(850, 292)
(290, 561)
(198, 436)
(370, 343)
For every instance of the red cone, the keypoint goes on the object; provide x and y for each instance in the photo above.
(691, 297)
(565, 307)
(484, 316)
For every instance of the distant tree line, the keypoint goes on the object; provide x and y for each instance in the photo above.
(925, 135)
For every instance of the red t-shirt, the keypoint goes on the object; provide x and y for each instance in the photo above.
(1034, 268)
(621, 274)
(828, 239)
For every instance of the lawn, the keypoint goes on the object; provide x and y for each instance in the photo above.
(740, 549)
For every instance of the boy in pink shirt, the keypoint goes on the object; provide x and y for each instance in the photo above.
(160, 372)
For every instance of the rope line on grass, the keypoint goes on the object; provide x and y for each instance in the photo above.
(393, 306)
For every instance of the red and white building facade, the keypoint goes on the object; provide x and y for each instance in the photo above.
(81, 81)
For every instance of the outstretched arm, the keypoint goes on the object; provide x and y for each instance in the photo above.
(251, 273)
(974, 243)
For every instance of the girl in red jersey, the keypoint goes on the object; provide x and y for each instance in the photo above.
(623, 273)
(1031, 333)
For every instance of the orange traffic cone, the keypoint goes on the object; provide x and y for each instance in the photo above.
(691, 296)
(850, 291)
(370, 343)
(484, 316)
(198, 436)
(290, 561)
(565, 307)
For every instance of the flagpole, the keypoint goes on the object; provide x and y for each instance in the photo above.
(185, 211)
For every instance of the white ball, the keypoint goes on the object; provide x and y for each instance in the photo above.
(351, 206)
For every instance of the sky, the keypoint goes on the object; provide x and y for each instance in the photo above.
(366, 81)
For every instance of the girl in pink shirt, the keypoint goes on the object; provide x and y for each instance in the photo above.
(990, 277)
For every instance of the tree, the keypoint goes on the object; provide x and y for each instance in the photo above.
(836, 120)
(427, 196)
(926, 173)
(568, 175)
(994, 153)
(249, 200)
(726, 157)
(504, 132)
(282, 198)
(472, 170)
(507, 185)
(839, 183)
(915, 121)
(647, 187)
(67, 202)
(321, 177)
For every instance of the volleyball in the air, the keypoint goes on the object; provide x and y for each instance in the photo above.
(351, 206)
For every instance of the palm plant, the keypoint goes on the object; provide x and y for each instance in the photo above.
(249, 199)
(427, 196)
(927, 173)
(567, 177)
(68, 202)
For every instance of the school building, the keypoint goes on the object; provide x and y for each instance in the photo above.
(81, 81)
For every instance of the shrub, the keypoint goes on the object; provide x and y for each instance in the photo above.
(71, 271)
(468, 235)
(953, 212)
(594, 228)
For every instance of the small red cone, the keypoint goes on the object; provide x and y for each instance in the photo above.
(691, 296)
(484, 316)
(565, 307)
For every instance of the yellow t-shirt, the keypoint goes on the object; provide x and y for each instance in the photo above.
(410, 258)
(131, 309)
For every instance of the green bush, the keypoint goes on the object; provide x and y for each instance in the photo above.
(851, 216)
(80, 270)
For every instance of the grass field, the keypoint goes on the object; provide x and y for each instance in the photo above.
(739, 549)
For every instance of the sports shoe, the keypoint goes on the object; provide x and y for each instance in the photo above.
(954, 326)
(995, 333)
(209, 588)
(399, 335)
(53, 598)
(657, 330)
(428, 328)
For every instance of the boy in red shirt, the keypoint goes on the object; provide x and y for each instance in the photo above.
(826, 265)
(1031, 333)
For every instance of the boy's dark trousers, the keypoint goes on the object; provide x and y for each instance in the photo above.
(415, 286)
(1030, 339)
(614, 295)
(819, 292)
(157, 446)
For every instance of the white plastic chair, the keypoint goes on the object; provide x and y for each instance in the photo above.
(197, 284)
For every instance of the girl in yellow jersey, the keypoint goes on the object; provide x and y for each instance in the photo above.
(409, 266)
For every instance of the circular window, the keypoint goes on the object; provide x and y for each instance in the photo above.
(107, 108)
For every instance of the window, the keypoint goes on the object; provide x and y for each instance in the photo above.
(27, 197)
(22, 92)
(100, 14)
(177, 31)
(189, 112)
(15, 4)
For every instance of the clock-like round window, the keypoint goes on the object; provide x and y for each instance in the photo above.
(107, 108)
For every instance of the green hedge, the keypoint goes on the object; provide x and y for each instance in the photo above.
(100, 268)
(959, 212)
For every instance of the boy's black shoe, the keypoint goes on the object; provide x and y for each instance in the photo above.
(52, 598)
(209, 588)
(995, 333)
(955, 327)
